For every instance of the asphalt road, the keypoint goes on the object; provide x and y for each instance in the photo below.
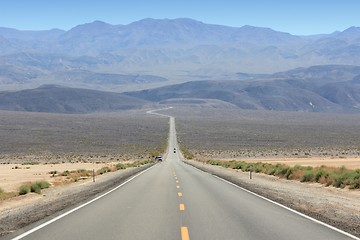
(175, 201)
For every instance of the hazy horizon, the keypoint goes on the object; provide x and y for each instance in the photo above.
(297, 18)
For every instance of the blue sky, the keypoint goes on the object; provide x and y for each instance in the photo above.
(299, 17)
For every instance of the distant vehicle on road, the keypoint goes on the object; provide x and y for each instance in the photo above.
(174, 150)
(159, 158)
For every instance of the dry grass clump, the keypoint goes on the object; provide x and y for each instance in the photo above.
(33, 187)
(5, 195)
(337, 177)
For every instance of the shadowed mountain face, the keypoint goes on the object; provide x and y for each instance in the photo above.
(313, 89)
(57, 99)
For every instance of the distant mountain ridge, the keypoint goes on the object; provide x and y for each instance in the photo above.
(306, 89)
(182, 48)
(248, 67)
(332, 88)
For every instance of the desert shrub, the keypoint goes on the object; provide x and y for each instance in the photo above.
(24, 189)
(213, 162)
(43, 184)
(281, 170)
(38, 186)
(258, 167)
(83, 172)
(35, 188)
(288, 173)
(337, 177)
(339, 181)
(308, 176)
(120, 166)
(66, 173)
(355, 184)
(104, 170)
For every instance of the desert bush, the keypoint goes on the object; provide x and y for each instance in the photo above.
(120, 166)
(103, 170)
(307, 177)
(24, 189)
(43, 184)
(35, 188)
(337, 177)
(38, 186)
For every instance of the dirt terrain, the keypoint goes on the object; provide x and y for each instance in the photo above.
(12, 176)
(232, 133)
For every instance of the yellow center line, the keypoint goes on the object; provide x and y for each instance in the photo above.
(177, 181)
(179, 194)
(184, 233)
(182, 207)
(177, 186)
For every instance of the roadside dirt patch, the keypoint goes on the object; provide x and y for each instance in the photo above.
(12, 176)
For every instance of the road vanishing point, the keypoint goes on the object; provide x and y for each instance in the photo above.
(174, 201)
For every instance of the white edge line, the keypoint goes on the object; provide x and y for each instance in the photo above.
(283, 206)
(79, 207)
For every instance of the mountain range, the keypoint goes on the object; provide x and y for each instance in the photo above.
(174, 49)
(331, 88)
(178, 61)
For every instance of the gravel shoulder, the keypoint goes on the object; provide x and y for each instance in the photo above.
(337, 207)
(21, 211)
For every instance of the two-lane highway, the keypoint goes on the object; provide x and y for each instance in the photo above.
(175, 201)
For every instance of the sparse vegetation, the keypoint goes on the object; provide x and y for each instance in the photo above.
(24, 189)
(186, 153)
(30, 163)
(120, 166)
(159, 150)
(126, 135)
(104, 170)
(337, 177)
(35, 187)
(233, 133)
(5, 195)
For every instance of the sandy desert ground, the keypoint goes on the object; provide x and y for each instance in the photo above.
(12, 176)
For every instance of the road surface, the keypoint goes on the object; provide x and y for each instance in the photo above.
(175, 201)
